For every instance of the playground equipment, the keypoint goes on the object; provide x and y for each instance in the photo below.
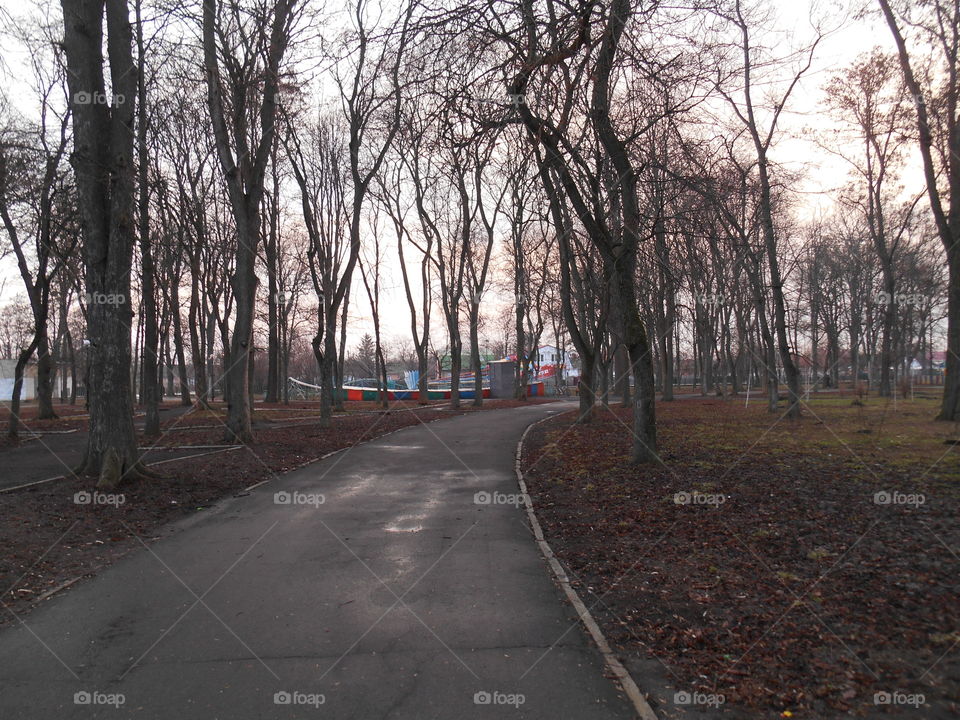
(439, 390)
(350, 392)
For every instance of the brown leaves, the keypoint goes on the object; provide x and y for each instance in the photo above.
(799, 592)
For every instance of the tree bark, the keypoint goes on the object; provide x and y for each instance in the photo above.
(104, 165)
(151, 394)
(245, 183)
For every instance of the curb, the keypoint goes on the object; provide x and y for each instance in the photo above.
(640, 704)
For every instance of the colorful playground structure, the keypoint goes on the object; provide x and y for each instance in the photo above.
(436, 390)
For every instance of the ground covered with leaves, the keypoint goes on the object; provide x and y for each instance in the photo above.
(50, 541)
(796, 568)
(70, 418)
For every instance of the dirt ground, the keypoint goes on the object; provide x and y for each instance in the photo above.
(797, 568)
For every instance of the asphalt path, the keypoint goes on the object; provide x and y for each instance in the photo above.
(396, 580)
(55, 454)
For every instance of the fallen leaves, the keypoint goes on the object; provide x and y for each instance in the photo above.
(798, 591)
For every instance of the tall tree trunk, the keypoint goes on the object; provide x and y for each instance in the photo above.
(151, 399)
(197, 340)
(456, 361)
(585, 389)
(104, 165)
(245, 182)
(329, 394)
(73, 367)
(621, 368)
(339, 359)
(45, 372)
(520, 374)
(947, 219)
(178, 351)
(886, 336)
(22, 359)
(273, 313)
(475, 362)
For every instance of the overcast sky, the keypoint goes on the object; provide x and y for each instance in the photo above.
(823, 173)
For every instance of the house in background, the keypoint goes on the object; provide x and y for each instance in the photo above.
(549, 360)
(7, 371)
(929, 368)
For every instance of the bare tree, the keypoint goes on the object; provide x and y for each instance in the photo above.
(391, 198)
(937, 103)
(762, 129)
(243, 50)
(104, 166)
(34, 198)
(870, 96)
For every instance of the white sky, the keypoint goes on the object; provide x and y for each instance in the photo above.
(823, 173)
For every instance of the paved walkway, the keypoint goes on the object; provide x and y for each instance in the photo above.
(58, 453)
(398, 597)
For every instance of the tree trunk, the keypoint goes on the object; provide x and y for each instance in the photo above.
(273, 314)
(475, 354)
(45, 409)
(585, 389)
(328, 370)
(178, 351)
(151, 399)
(520, 375)
(950, 407)
(621, 365)
(22, 359)
(456, 364)
(197, 341)
(104, 167)
(73, 367)
(245, 186)
(339, 358)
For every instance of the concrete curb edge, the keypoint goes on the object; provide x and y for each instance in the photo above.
(640, 704)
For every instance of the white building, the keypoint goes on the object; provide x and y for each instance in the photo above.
(550, 358)
(7, 372)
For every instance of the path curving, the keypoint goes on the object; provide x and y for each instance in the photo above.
(403, 595)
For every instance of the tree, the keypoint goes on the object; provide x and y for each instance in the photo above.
(748, 111)
(615, 235)
(33, 190)
(242, 48)
(151, 380)
(390, 197)
(370, 271)
(937, 105)
(870, 96)
(103, 163)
